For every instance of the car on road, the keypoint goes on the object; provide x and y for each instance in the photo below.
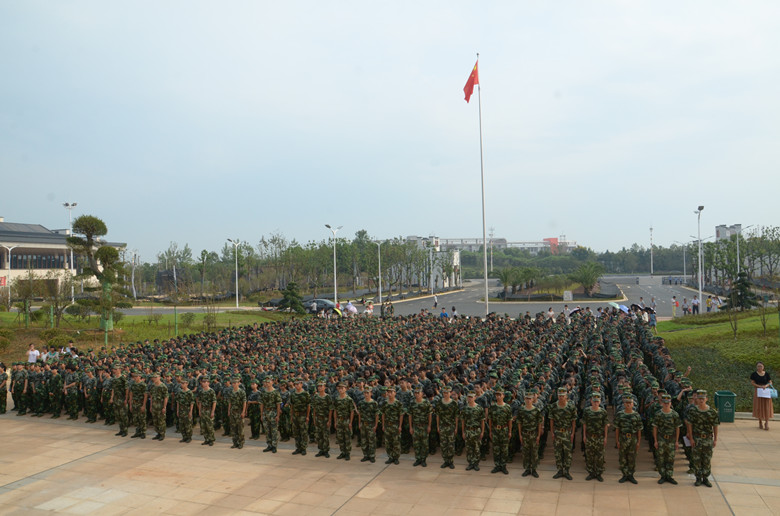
(316, 305)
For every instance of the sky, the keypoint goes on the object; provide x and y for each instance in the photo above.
(197, 121)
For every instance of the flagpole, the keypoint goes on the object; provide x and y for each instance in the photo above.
(482, 178)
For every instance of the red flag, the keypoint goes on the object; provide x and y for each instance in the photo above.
(468, 89)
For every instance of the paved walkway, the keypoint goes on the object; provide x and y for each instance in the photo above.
(74, 468)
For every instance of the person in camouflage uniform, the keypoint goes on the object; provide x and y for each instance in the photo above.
(406, 397)
(322, 409)
(207, 406)
(37, 381)
(185, 400)
(89, 387)
(237, 412)
(702, 426)
(223, 400)
(473, 417)
(595, 426)
(344, 411)
(563, 418)
(119, 399)
(300, 407)
(392, 419)
(138, 398)
(447, 412)
(530, 424)
(285, 424)
(55, 393)
(270, 411)
(105, 398)
(666, 433)
(628, 434)
(368, 418)
(420, 419)
(71, 391)
(19, 389)
(158, 394)
(500, 420)
(253, 409)
(3, 389)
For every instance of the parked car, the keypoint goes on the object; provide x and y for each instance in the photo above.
(316, 305)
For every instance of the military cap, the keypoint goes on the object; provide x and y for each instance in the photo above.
(529, 394)
(701, 393)
(562, 391)
(205, 378)
(471, 394)
(321, 382)
(666, 398)
(447, 388)
(595, 396)
(154, 375)
(235, 378)
(366, 389)
(628, 399)
(418, 388)
(342, 384)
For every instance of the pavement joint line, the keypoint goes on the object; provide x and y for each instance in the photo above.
(722, 494)
(382, 470)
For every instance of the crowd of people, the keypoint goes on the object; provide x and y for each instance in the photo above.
(413, 384)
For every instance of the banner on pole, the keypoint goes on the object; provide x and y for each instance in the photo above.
(2, 281)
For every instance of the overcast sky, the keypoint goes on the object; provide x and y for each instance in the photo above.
(197, 121)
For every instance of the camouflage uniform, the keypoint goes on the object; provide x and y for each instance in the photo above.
(447, 414)
(253, 411)
(3, 391)
(595, 422)
(119, 391)
(343, 408)
(105, 397)
(472, 418)
(321, 407)
(55, 394)
(138, 413)
(206, 399)
(528, 421)
(702, 424)
(71, 378)
(184, 403)
(393, 414)
(627, 426)
(299, 417)
(666, 428)
(90, 398)
(562, 418)
(236, 403)
(500, 417)
(269, 401)
(368, 410)
(420, 412)
(158, 395)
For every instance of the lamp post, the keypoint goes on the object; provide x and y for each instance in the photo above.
(335, 290)
(739, 234)
(379, 255)
(651, 251)
(9, 249)
(700, 272)
(235, 248)
(683, 246)
(69, 206)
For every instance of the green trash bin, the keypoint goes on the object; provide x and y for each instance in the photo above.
(725, 402)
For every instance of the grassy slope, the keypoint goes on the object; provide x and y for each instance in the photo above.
(719, 362)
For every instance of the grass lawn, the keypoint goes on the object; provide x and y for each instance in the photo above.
(720, 362)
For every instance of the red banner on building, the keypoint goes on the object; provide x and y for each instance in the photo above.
(2, 281)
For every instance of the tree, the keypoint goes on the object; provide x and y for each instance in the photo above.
(102, 262)
(291, 299)
(741, 296)
(587, 275)
(506, 276)
(56, 289)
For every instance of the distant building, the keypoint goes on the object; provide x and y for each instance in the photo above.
(724, 232)
(443, 259)
(32, 247)
(554, 245)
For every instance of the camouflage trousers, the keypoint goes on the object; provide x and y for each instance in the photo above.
(271, 428)
(108, 408)
(237, 427)
(254, 420)
(91, 406)
(447, 442)
(420, 442)
(472, 445)
(55, 403)
(138, 417)
(39, 401)
(207, 426)
(594, 455)
(500, 446)
(321, 434)
(120, 412)
(3, 400)
(664, 457)
(344, 436)
(562, 447)
(530, 451)
(72, 403)
(19, 401)
(701, 456)
(368, 440)
(627, 454)
(185, 424)
(158, 419)
(393, 442)
(300, 431)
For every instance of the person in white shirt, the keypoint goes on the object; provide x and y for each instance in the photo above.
(32, 354)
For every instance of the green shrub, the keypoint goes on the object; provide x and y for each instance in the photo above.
(7, 334)
(48, 334)
(187, 319)
(5, 343)
(58, 342)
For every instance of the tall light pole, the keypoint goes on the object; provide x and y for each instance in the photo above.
(379, 255)
(235, 243)
(739, 234)
(651, 251)
(335, 290)
(69, 206)
(491, 248)
(700, 272)
(11, 248)
(683, 246)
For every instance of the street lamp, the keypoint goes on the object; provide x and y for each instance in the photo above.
(379, 255)
(698, 216)
(9, 269)
(235, 243)
(335, 290)
(69, 206)
(651, 251)
(739, 234)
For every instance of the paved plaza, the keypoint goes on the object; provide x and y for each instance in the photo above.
(65, 467)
